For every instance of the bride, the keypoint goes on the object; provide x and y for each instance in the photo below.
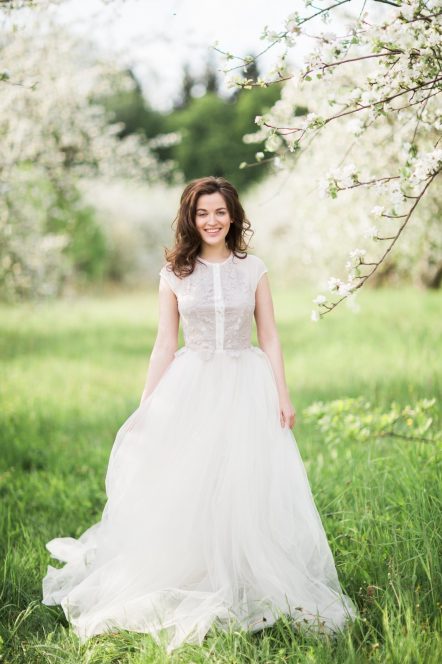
(209, 516)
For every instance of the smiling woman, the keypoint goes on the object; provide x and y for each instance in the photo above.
(210, 518)
(212, 218)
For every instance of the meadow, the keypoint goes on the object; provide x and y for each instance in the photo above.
(73, 371)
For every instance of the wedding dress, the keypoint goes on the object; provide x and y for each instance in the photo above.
(209, 515)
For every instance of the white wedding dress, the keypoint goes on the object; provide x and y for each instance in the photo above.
(209, 517)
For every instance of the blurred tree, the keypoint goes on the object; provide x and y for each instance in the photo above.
(206, 147)
(129, 106)
(68, 215)
(53, 133)
(210, 77)
(185, 95)
(212, 130)
(203, 146)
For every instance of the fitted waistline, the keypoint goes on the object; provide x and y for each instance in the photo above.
(207, 353)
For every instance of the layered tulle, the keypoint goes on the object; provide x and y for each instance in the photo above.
(209, 516)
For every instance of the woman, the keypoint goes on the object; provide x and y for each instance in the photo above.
(210, 517)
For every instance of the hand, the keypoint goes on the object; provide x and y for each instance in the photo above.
(287, 413)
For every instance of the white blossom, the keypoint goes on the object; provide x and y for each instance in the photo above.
(277, 162)
(355, 95)
(357, 253)
(291, 22)
(344, 289)
(425, 165)
(333, 283)
(370, 232)
(273, 143)
(395, 193)
(355, 126)
(377, 211)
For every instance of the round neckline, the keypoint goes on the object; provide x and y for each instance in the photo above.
(216, 263)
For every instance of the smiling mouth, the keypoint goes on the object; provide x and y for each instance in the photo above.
(212, 231)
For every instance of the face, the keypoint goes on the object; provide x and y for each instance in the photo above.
(212, 219)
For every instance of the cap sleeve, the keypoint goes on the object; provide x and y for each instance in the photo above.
(260, 269)
(169, 277)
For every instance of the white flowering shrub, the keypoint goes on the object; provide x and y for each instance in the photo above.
(308, 237)
(53, 132)
(380, 81)
(136, 219)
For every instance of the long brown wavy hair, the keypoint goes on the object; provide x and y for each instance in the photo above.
(187, 238)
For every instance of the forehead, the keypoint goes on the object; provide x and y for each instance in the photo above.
(210, 201)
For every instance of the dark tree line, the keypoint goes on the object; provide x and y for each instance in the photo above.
(211, 125)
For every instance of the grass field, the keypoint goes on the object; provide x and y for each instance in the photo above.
(73, 371)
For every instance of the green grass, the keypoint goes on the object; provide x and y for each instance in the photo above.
(74, 371)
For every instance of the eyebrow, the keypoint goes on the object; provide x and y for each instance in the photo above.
(205, 209)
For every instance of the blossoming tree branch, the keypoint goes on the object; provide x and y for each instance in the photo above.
(384, 75)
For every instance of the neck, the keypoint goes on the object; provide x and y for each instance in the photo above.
(215, 253)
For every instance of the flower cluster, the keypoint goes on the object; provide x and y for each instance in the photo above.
(339, 178)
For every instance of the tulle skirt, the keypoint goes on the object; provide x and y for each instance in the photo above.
(209, 516)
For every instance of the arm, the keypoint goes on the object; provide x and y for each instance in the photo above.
(166, 342)
(268, 339)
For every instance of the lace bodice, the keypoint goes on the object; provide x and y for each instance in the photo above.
(216, 303)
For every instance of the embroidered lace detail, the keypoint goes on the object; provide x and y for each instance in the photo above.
(216, 304)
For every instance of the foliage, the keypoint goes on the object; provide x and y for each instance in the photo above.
(130, 109)
(193, 133)
(51, 239)
(206, 147)
(357, 420)
(87, 249)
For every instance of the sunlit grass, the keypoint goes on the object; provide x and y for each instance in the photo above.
(74, 371)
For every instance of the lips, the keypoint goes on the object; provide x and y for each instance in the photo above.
(212, 231)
